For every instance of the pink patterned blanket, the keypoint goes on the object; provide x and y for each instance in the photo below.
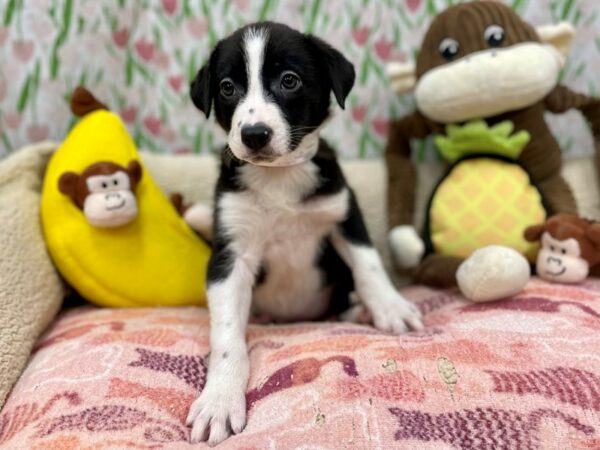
(523, 373)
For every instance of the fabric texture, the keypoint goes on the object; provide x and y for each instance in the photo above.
(140, 56)
(521, 373)
(31, 291)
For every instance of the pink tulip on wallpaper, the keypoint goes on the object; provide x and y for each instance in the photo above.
(383, 48)
(153, 125)
(413, 5)
(3, 34)
(129, 114)
(360, 35)
(359, 113)
(121, 37)
(381, 126)
(145, 49)
(197, 27)
(37, 133)
(12, 120)
(176, 81)
(3, 89)
(23, 50)
(169, 6)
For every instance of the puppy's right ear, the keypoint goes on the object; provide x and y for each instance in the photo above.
(200, 89)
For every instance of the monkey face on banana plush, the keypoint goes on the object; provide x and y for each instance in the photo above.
(461, 76)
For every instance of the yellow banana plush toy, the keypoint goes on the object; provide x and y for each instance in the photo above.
(111, 232)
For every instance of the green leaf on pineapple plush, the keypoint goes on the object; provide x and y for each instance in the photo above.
(477, 137)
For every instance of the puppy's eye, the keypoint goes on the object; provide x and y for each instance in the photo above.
(449, 48)
(290, 82)
(227, 88)
(494, 35)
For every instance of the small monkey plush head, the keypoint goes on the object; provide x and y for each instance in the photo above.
(480, 59)
(105, 192)
(570, 248)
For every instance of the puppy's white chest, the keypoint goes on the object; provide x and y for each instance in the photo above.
(282, 235)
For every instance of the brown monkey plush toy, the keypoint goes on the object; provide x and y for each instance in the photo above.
(482, 82)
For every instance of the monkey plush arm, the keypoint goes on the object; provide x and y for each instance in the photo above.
(400, 168)
(406, 244)
(561, 99)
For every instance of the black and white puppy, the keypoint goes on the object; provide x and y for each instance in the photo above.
(289, 237)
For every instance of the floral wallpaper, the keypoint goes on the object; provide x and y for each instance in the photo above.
(139, 56)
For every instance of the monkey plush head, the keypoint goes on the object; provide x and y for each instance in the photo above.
(570, 247)
(480, 59)
(105, 192)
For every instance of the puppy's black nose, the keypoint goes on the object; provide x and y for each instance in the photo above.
(256, 136)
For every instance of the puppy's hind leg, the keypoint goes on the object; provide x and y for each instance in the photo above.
(390, 311)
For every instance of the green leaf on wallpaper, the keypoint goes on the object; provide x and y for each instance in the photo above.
(197, 141)
(121, 3)
(62, 37)
(128, 69)
(6, 142)
(364, 68)
(314, 12)
(24, 95)
(9, 12)
(566, 9)
(157, 37)
(580, 69)
(265, 9)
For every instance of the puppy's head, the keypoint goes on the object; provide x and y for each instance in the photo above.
(271, 87)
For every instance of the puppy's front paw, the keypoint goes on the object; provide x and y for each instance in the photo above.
(216, 414)
(397, 315)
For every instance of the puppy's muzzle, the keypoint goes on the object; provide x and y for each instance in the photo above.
(257, 136)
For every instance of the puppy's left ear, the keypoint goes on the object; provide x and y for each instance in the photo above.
(339, 69)
(200, 88)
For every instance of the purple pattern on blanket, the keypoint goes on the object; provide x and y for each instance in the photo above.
(481, 428)
(533, 304)
(568, 385)
(111, 418)
(189, 368)
(295, 374)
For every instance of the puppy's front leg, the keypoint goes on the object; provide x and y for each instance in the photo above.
(390, 311)
(220, 410)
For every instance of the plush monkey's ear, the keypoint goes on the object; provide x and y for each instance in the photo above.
(67, 184)
(339, 70)
(560, 36)
(135, 171)
(593, 233)
(534, 233)
(403, 77)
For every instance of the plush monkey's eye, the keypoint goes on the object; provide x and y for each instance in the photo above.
(227, 88)
(552, 248)
(494, 35)
(449, 48)
(115, 182)
(104, 184)
(563, 251)
(290, 81)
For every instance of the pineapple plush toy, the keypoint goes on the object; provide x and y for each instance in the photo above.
(482, 82)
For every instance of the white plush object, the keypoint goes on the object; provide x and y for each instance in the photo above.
(200, 218)
(492, 273)
(407, 246)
